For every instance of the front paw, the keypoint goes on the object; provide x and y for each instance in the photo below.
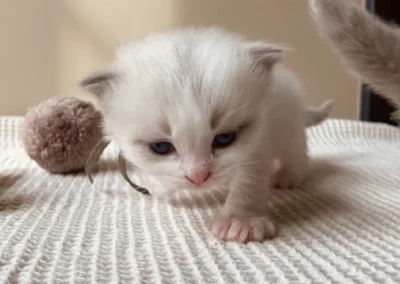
(244, 229)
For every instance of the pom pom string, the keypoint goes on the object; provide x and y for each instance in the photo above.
(122, 168)
(94, 158)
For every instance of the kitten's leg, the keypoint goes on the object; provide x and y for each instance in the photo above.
(245, 215)
(291, 149)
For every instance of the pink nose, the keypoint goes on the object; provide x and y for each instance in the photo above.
(199, 177)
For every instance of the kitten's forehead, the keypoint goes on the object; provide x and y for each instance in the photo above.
(185, 83)
(202, 59)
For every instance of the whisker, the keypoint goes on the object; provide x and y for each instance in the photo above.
(227, 170)
(242, 195)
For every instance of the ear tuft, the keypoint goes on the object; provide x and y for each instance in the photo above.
(97, 83)
(266, 54)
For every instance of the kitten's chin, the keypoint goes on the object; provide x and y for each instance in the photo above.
(188, 188)
(162, 187)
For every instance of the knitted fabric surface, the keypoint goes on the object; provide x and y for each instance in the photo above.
(341, 226)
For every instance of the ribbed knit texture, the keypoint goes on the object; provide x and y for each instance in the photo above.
(342, 226)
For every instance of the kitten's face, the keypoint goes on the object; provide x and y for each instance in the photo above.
(187, 110)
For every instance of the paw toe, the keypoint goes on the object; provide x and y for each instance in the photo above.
(236, 230)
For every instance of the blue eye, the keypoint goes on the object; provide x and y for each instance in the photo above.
(161, 148)
(224, 139)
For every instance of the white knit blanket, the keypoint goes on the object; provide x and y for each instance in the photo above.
(342, 226)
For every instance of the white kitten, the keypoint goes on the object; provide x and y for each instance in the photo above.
(200, 108)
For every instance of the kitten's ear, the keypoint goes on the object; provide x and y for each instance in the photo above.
(97, 83)
(264, 53)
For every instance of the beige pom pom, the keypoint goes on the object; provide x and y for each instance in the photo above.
(60, 133)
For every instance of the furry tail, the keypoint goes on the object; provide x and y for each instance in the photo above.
(369, 46)
(317, 115)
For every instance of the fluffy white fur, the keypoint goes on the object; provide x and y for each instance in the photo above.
(189, 85)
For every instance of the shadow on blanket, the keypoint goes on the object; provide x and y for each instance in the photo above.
(318, 197)
(6, 182)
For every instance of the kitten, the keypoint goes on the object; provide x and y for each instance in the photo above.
(202, 108)
(369, 46)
